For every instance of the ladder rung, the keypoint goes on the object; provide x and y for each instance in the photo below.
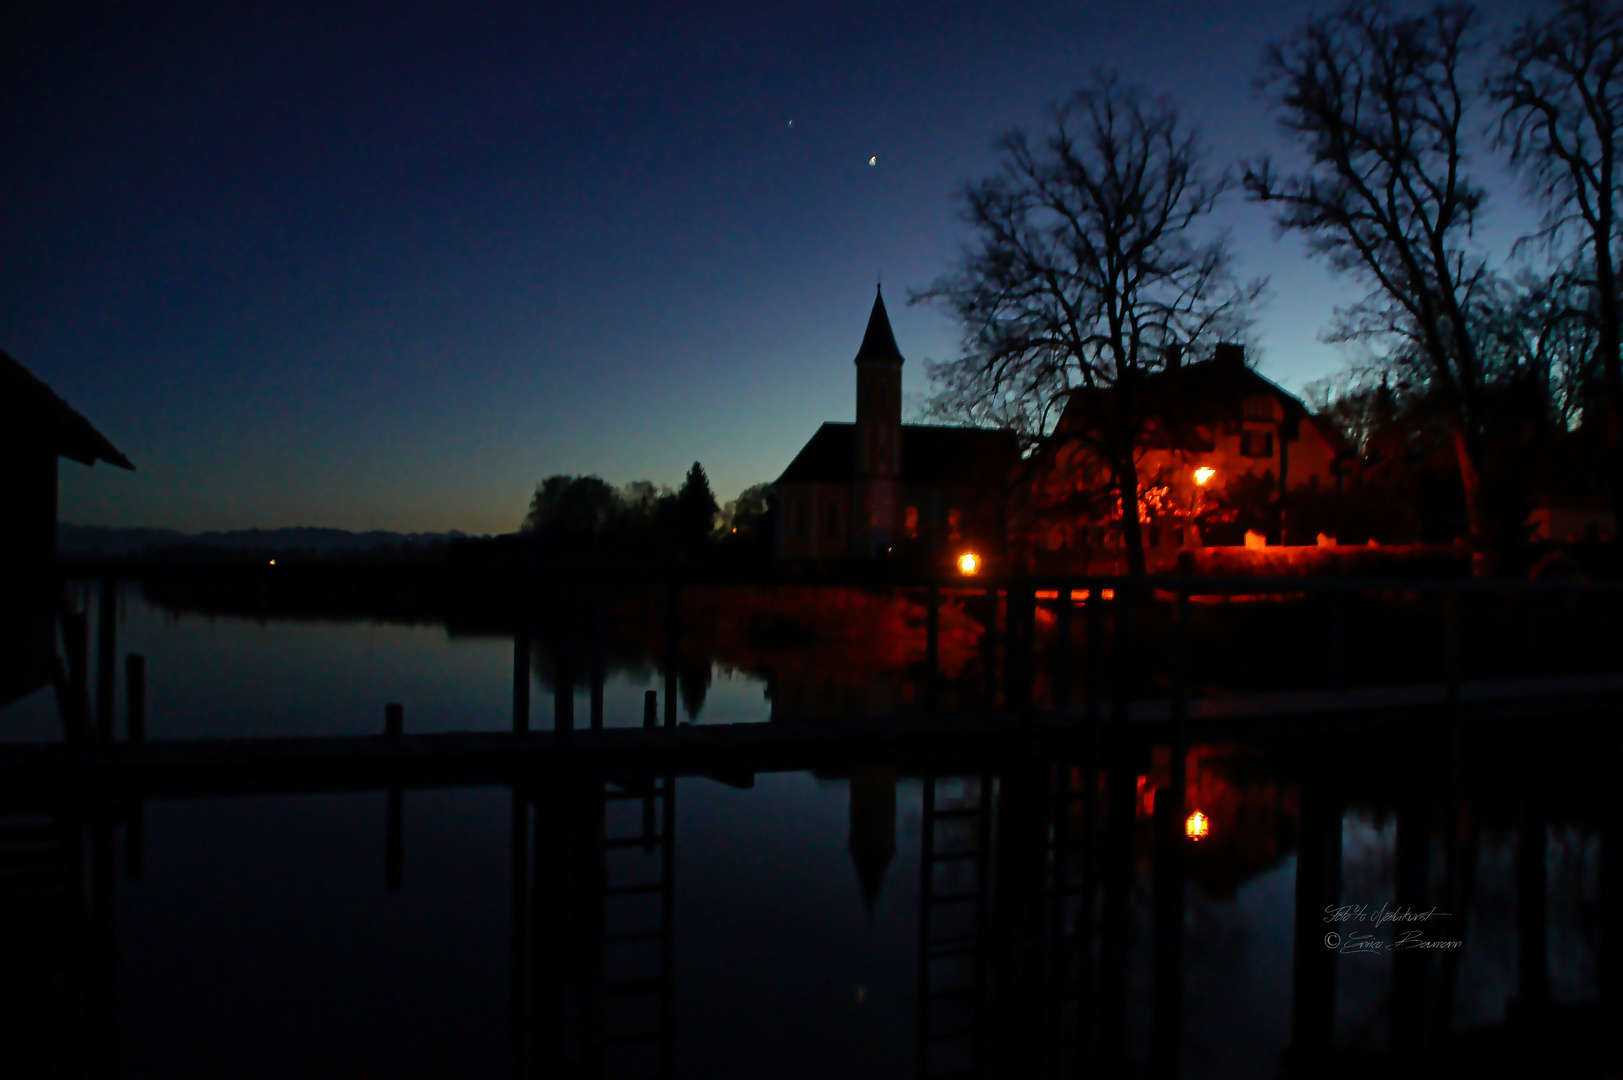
(635, 1037)
(636, 987)
(633, 935)
(635, 890)
(633, 841)
(954, 856)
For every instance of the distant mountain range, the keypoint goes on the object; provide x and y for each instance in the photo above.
(108, 540)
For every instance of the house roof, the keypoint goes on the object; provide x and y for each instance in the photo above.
(1222, 383)
(931, 456)
(879, 342)
(33, 410)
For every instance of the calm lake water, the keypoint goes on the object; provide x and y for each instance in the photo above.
(259, 938)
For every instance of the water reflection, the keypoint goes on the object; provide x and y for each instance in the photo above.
(1025, 903)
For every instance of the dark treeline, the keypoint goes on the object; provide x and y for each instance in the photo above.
(584, 516)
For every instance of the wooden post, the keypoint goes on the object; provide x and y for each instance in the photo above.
(1413, 873)
(1532, 882)
(521, 681)
(1063, 650)
(1180, 669)
(1116, 909)
(673, 625)
(78, 643)
(520, 938)
(563, 688)
(135, 840)
(597, 661)
(932, 650)
(650, 709)
(106, 659)
(1166, 1013)
(394, 724)
(135, 692)
(1318, 887)
(1096, 630)
(1338, 641)
(989, 646)
(394, 840)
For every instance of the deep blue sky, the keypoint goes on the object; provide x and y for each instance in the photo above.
(387, 266)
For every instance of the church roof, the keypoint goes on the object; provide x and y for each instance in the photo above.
(879, 343)
(931, 456)
(30, 408)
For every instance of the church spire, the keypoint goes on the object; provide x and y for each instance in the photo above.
(879, 343)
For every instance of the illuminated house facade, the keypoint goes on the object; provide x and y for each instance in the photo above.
(1223, 428)
(879, 486)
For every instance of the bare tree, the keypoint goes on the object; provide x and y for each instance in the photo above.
(1085, 269)
(1559, 86)
(1376, 101)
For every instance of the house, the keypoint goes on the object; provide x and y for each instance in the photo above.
(36, 428)
(879, 486)
(1221, 432)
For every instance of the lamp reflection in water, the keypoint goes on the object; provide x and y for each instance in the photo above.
(1197, 826)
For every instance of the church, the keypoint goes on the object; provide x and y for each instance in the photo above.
(881, 488)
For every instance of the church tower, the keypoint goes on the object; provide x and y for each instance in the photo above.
(878, 494)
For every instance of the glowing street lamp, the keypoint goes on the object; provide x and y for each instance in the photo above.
(1197, 826)
(1203, 474)
(969, 563)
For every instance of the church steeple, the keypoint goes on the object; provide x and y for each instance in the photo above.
(879, 343)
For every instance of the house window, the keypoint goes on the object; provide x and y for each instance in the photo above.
(1257, 444)
(834, 522)
(1262, 407)
(912, 523)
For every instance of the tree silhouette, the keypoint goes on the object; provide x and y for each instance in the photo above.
(1559, 86)
(1085, 271)
(1377, 102)
(694, 512)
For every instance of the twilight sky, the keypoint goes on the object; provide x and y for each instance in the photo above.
(388, 265)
